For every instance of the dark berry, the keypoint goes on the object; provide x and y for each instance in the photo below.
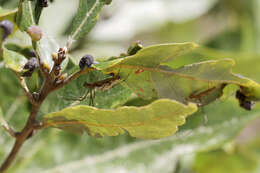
(7, 26)
(86, 60)
(240, 96)
(134, 48)
(248, 105)
(30, 66)
(45, 3)
(32, 53)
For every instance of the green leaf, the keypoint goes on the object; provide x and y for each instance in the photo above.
(14, 60)
(7, 14)
(237, 162)
(24, 50)
(151, 56)
(160, 155)
(148, 75)
(157, 120)
(38, 11)
(136, 70)
(25, 16)
(71, 94)
(195, 79)
(86, 17)
(1, 117)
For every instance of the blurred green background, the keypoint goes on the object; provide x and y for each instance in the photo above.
(228, 143)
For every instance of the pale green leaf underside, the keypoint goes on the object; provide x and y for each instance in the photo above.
(86, 17)
(157, 120)
(196, 137)
(151, 56)
(25, 16)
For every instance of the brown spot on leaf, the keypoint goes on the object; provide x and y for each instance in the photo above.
(139, 71)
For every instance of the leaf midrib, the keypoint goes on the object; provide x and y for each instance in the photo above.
(84, 20)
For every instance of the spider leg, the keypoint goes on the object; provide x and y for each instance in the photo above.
(91, 97)
(84, 96)
(205, 117)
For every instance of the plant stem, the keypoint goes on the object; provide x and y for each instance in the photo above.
(21, 138)
(31, 125)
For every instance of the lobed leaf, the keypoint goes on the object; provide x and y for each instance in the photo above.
(157, 120)
(148, 75)
(161, 155)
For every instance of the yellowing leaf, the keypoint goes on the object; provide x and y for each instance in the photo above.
(14, 60)
(157, 120)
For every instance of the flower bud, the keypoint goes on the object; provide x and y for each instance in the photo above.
(35, 33)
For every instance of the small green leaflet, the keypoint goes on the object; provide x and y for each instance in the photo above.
(86, 17)
(157, 120)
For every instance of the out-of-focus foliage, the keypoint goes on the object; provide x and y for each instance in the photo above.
(227, 28)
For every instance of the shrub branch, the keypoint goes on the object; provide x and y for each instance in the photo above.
(32, 125)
